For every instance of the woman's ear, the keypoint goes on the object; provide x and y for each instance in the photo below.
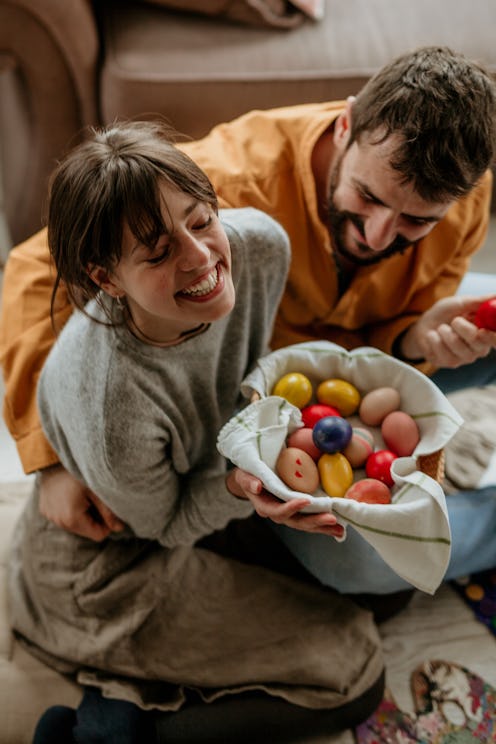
(342, 127)
(104, 280)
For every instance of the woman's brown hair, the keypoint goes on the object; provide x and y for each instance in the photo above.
(111, 178)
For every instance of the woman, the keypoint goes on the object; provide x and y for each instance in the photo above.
(175, 306)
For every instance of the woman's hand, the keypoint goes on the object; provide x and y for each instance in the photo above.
(247, 486)
(70, 505)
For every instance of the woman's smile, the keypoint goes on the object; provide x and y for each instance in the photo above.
(207, 287)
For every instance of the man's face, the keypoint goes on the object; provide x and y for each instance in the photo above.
(371, 214)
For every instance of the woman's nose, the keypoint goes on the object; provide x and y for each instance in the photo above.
(193, 254)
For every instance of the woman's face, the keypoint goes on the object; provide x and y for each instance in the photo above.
(186, 279)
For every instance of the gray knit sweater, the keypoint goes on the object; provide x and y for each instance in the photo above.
(138, 424)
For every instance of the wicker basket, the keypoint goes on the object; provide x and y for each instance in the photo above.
(432, 465)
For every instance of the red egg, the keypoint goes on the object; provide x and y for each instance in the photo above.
(369, 491)
(400, 433)
(378, 466)
(485, 316)
(313, 413)
(303, 439)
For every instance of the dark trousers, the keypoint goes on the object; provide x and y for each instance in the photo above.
(98, 720)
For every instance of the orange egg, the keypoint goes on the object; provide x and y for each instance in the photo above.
(369, 491)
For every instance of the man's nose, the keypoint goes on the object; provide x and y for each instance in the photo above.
(380, 230)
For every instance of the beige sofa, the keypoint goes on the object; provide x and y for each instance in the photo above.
(63, 66)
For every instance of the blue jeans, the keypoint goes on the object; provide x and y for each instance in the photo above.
(353, 566)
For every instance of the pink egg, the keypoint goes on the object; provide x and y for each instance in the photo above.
(303, 439)
(297, 470)
(376, 405)
(360, 446)
(400, 433)
(369, 491)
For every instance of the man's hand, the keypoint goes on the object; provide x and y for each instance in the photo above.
(70, 505)
(446, 336)
(247, 486)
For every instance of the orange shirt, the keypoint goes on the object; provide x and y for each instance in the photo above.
(263, 160)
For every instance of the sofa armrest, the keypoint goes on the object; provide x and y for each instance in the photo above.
(48, 92)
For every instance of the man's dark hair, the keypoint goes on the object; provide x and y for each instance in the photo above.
(443, 107)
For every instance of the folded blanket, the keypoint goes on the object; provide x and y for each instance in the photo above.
(470, 452)
(412, 533)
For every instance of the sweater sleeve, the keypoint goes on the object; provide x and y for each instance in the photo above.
(26, 337)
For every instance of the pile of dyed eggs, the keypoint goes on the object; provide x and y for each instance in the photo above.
(329, 449)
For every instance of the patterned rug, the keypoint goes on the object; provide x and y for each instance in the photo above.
(479, 592)
(452, 706)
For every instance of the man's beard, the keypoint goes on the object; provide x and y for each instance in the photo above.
(338, 220)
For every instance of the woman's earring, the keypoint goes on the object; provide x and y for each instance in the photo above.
(120, 302)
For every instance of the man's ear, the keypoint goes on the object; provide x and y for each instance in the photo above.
(342, 127)
(104, 280)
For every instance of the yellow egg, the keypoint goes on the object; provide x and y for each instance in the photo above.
(341, 394)
(295, 388)
(336, 474)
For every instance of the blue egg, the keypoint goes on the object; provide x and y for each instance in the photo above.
(332, 434)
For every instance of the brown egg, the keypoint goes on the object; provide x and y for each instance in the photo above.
(376, 405)
(400, 433)
(360, 446)
(297, 470)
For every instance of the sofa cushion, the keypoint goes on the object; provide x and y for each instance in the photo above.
(272, 13)
(197, 71)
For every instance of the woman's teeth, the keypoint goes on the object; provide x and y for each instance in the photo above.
(205, 286)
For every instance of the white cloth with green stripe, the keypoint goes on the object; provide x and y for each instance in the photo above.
(411, 534)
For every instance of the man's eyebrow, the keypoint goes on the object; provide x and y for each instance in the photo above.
(415, 217)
